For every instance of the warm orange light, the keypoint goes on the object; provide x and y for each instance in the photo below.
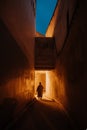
(42, 76)
(47, 81)
(54, 86)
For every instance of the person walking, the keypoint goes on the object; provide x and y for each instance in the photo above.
(40, 91)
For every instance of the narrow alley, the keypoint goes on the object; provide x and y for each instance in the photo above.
(43, 44)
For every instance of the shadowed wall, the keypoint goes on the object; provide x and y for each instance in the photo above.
(71, 70)
(15, 75)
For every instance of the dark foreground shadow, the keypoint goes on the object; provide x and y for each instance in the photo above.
(7, 108)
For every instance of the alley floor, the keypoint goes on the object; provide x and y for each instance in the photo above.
(43, 115)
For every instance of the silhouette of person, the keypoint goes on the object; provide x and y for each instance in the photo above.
(40, 90)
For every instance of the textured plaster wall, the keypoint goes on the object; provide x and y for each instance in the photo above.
(19, 17)
(71, 70)
(64, 8)
(17, 30)
(16, 77)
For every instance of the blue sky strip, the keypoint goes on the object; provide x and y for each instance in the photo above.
(44, 13)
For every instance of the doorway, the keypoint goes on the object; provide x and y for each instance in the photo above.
(40, 76)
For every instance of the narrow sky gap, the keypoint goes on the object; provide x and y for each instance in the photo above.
(44, 13)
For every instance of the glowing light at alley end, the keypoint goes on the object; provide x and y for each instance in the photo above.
(44, 13)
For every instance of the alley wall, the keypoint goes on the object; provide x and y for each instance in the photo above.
(71, 70)
(17, 30)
